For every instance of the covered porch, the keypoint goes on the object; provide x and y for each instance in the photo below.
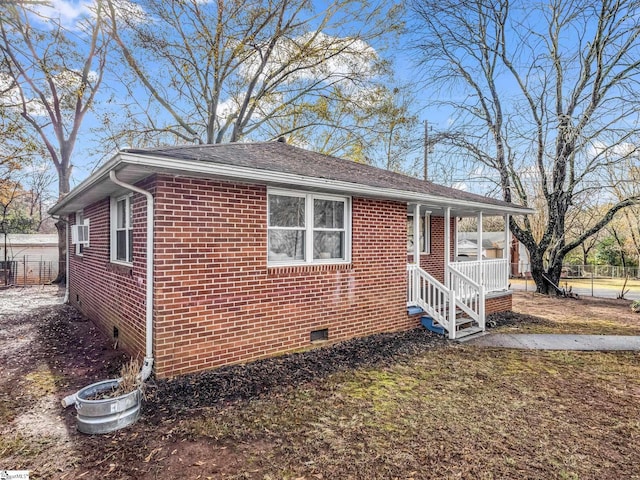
(452, 298)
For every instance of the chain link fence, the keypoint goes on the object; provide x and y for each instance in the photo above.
(28, 271)
(584, 271)
(608, 281)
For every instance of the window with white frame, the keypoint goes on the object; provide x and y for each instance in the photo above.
(425, 233)
(122, 229)
(80, 233)
(307, 228)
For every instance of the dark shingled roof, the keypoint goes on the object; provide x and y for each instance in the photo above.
(281, 157)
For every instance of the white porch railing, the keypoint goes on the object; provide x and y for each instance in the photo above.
(469, 295)
(433, 297)
(492, 274)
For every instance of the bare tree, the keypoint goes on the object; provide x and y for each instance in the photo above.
(583, 218)
(627, 184)
(24, 197)
(228, 70)
(54, 72)
(544, 99)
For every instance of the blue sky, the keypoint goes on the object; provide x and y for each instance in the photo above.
(88, 153)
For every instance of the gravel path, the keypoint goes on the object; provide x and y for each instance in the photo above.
(25, 299)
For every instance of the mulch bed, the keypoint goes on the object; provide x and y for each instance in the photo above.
(74, 347)
(507, 319)
(241, 382)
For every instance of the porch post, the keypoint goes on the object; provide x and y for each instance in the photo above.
(507, 248)
(479, 238)
(416, 235)
(481, 279)
(455, 238)
(447, 244)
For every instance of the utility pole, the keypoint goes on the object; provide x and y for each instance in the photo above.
(426, 150)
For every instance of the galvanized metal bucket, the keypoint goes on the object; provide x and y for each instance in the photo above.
(108, 414)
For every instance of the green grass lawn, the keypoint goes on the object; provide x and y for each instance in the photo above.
(454, 412)
(457, 412)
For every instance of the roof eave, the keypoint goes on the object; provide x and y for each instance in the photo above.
(279, 178)
(98, 176)
(178, 166)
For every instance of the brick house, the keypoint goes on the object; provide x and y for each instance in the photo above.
(202, 256)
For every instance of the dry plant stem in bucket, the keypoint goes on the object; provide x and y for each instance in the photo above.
(130, 378)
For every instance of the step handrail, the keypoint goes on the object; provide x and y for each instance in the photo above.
(434, 298)
(468, 294)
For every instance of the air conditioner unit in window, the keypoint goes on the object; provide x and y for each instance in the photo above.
(80, 233)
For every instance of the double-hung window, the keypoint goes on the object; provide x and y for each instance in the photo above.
(308, 228)
(424, 225)
(80, 232)
(122, 229)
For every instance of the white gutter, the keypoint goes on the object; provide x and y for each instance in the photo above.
(147, 367)
(293, 179)
(148, 359)
(185, 167)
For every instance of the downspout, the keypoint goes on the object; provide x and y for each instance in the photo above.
(148, 359)
(147, 366)
(67, 278)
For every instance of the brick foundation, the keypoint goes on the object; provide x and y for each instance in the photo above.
(502, 303)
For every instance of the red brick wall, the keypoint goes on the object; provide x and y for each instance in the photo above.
(502, 303)
(433, 263)
(111, 295)
(217, 302)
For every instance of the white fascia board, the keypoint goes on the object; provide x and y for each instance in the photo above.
(280, 178)
(98, 176)
(178, 166)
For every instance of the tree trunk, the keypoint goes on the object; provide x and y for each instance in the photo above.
(538, 274)
(64, 185)
(62, 252)
(547, 280)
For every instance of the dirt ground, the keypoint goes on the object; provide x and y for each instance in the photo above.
(586, 315)
(47, 351)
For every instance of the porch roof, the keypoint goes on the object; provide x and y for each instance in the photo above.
(278, 164)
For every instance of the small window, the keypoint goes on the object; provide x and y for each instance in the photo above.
(122, 229)
(425, 233)
(307, 228)
(80, 233)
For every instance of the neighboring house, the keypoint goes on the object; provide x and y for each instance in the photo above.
(493, 247)
(492, 244)
(31, 258)
(265, 248)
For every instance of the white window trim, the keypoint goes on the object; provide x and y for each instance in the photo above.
(113, 228)
(80, 246)
(309, 229)
(427, 233)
